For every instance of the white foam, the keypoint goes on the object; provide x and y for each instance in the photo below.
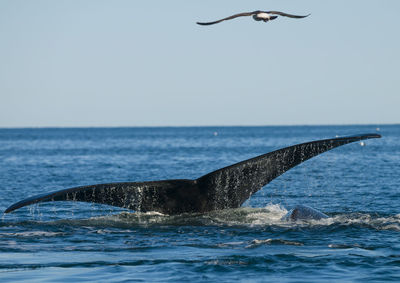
(257, 242)
(271, 214)
(33, 234)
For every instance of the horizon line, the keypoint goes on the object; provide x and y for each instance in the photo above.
(198, 126)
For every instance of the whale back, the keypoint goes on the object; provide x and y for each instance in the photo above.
(303, 212)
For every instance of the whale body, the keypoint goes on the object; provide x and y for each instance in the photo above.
(303, 212)
(228, 187)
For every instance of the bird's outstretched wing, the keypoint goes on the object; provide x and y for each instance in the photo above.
(228, 18)
(286, 15)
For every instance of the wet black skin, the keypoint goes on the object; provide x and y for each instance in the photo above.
(303, 212)
(228, 187)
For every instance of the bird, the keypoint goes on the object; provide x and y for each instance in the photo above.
(264, 16)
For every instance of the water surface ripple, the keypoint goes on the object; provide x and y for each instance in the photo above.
(357, 186)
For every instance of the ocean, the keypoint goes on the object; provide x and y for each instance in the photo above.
(357, 185)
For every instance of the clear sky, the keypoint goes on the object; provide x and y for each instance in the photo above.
(146, 63)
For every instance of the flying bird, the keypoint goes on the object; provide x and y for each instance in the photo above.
(257, 16)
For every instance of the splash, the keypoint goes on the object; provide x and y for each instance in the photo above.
(268, 216)
(271, 215)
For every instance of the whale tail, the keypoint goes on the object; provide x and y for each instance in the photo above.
(228, 187)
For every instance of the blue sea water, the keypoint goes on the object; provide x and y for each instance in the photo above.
(357, 186)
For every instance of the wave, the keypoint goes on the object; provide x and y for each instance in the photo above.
(269, 216)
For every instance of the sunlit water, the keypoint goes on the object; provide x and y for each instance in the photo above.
(357, 186)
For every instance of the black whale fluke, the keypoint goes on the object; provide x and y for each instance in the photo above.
(228, 187)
